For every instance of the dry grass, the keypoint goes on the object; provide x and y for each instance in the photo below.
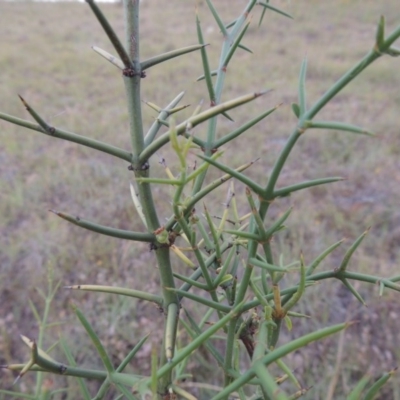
(45, 56)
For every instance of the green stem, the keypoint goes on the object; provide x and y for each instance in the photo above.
(141, 169)
(71, 137)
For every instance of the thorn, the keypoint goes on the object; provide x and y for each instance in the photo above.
(258, 94)
(351, 323)
(24, 102)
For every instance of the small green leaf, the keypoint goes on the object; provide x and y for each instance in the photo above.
(380, 33)
(302, 88)
(120, 49)
(288, 323)
(113, 60)
(167, 56)
(377, 386)
(226, 280)
(296, 110)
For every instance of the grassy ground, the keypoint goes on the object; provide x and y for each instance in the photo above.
(45, 56)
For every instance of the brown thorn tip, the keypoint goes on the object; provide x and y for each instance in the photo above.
(23, 102)
(54, 212)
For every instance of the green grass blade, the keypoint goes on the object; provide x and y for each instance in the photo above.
(109, 57)
(17, 395)
(119, 291)
(338, 126)
(195, 331)
(196, 343)
(95, 340)
(35, 312)
(277, 354)
(302, 89)
(230, 136)
(105, 230)
(167, 56)
(377, 386)
(71, 360)
(356, 392)
(120, 49)
(287, 190)
(350, 252)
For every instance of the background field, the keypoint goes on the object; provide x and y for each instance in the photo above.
(45, 56)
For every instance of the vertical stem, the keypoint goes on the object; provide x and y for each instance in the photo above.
(132, 86)
(230, 346)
